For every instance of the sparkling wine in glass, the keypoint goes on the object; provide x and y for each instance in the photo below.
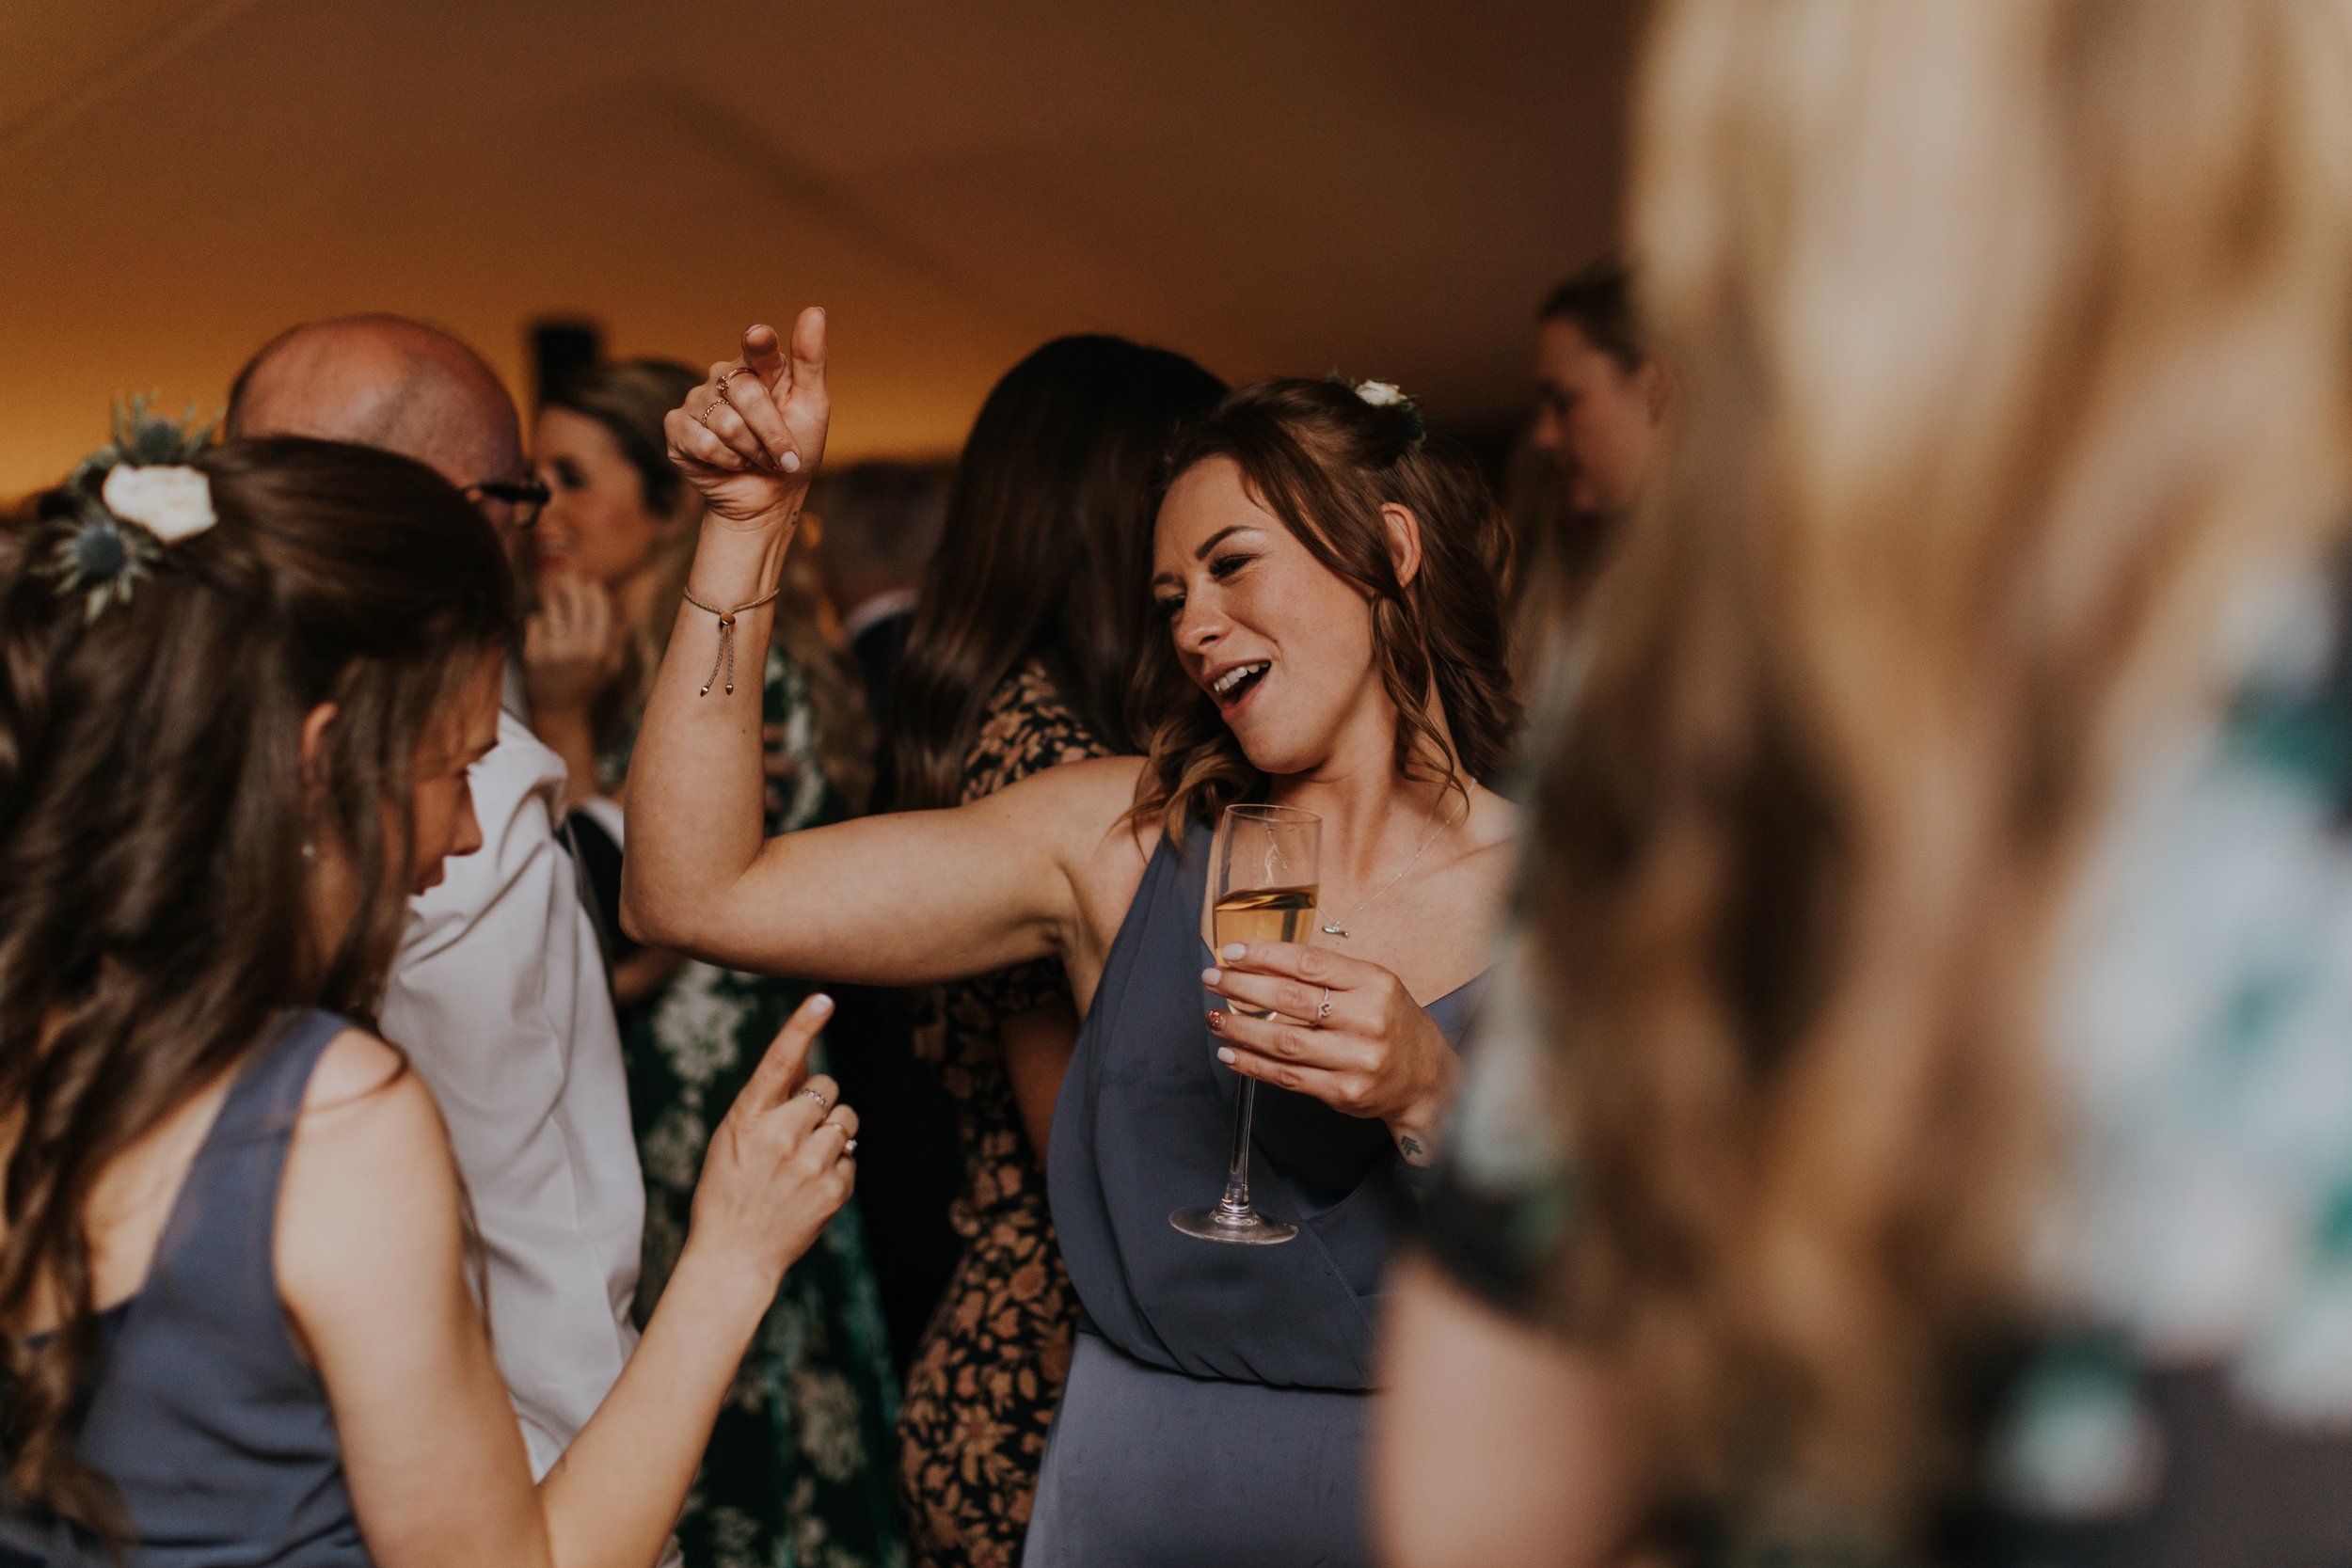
(1264, 870)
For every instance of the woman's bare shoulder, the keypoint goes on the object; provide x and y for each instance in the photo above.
(367, 1116)
(1084, 802)
(1494, 821)
(1087, 810)
(370, 1183)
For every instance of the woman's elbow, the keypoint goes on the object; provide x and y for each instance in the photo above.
(649, 918)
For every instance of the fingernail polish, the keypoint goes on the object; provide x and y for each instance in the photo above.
(1225, 1055)
(791, 460)
(1233, 951)
(820, 1005)
(1211, 977)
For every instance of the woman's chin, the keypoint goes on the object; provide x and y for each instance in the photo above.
(1268, 754)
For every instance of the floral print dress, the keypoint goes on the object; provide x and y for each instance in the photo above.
(982, 1389)
(2186, 1398)
(797, 1472)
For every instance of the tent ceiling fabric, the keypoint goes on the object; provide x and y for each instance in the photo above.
(1382, 187)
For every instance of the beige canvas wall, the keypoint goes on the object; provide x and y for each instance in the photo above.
(1379, 187)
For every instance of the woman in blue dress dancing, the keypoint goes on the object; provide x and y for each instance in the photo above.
(1330, 578)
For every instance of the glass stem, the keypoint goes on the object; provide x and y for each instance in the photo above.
(1237, 1169)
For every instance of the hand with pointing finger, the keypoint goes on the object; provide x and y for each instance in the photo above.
(750, 435)
(780, 1166)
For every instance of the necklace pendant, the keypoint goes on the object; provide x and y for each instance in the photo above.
(1336, 931)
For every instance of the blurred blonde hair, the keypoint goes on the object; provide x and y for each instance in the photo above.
(2011, 336)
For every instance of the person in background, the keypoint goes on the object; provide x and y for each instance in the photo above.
(240, 693)
(798, 1463)
(1601, 403)
(1600, 393)
(881, 522)
(872, 527)
(499, 993)
(1329, 576)
(1031, 626)
(1920, 1125)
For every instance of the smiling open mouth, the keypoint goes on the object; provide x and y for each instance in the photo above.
(1230, 686)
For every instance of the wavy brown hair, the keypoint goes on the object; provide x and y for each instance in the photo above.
(1324, 462)
(629, 398)
(156, 912)
(1046, 551)
(2009, 338)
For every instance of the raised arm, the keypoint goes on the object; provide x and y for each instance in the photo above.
(369, 1263)
(900, 899)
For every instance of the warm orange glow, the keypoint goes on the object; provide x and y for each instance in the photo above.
(1256, 186)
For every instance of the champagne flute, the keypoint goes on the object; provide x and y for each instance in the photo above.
(1265, 864)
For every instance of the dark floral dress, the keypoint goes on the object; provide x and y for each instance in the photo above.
(983, 1386)
(795, 1475)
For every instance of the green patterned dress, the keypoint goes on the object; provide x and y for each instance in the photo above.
(798, 1474)
(2183, 1399)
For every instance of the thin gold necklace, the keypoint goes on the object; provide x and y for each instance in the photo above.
(1339, 927)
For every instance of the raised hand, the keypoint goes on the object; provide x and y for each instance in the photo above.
(779, 1165)
(750, 437)
(572, 645)
(1344, 1031)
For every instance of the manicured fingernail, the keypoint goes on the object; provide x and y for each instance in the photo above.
(791, 460)
(1217, 1020)
(1225, 1055)
(820, 1005)
(1233, 952)
(1211, 977)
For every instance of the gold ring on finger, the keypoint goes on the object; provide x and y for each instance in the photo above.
(818, 1096)
(703, 419)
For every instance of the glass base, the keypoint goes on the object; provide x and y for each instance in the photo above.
(1242, 1225)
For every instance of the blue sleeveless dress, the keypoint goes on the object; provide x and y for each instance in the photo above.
(217, 1432)
(1216, 1406)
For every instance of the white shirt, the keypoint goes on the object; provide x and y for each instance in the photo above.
(882, 606)
(499, 996)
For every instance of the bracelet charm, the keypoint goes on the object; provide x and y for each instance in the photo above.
(726, 636)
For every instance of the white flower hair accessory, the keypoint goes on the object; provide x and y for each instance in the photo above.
(124, 503)
(1387, 396)
(172, 503)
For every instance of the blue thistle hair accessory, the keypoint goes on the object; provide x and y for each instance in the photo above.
(125, 502)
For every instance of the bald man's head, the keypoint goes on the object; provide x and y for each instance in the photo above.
(385, 382)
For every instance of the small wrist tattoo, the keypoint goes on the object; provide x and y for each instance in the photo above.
(1414, 1151)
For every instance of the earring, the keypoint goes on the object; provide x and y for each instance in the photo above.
(310, 851)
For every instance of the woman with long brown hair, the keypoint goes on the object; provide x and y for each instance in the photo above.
(1032, 622)
(1329, 578)
(1919, 1130)
(240, 691)
(800, 1458)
